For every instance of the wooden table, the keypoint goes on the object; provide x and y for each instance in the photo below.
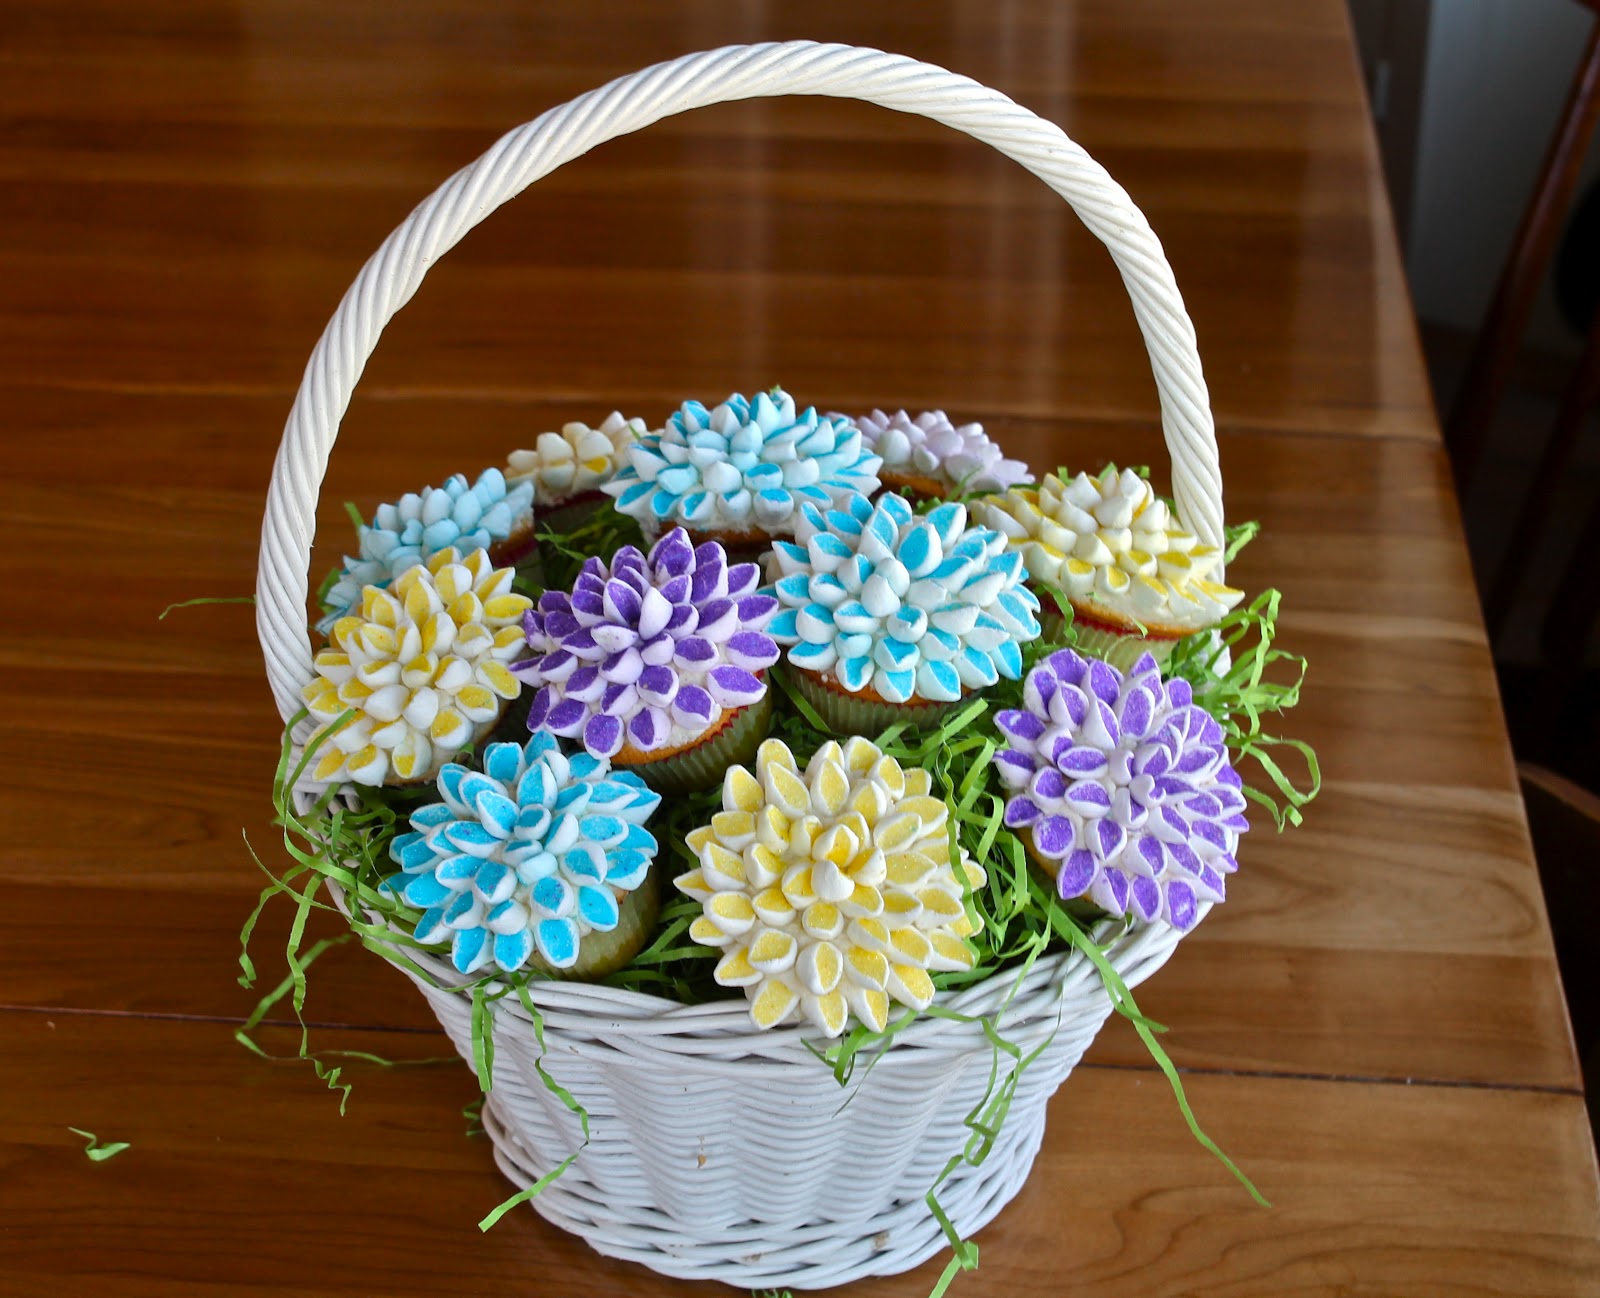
(1373, 1025)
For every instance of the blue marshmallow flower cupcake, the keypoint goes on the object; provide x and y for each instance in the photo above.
(740, 473)
(540, 861)
(487, 515)
(890, 616)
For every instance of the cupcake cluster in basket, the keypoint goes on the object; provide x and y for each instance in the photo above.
(639, 682)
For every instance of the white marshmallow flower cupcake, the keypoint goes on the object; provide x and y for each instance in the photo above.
(831, 893)
(569, 469)
(424, 666)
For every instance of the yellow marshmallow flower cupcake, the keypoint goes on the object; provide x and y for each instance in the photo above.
(831, 891)
(423, 665)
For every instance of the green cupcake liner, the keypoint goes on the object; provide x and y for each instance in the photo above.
(1121, 651)
(860, 714)
(703, 766)
(601, 953)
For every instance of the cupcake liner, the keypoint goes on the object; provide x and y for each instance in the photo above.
(702, 764)
(602, 953)
(864, 714)
(1119, 649)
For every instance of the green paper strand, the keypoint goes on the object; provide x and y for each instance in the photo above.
(1122, 999)
(523, 1196)
(94, 1150)
(205, 599)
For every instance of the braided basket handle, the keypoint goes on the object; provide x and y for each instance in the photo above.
(395, 271)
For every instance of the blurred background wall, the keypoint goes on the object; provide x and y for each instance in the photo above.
(1466, 96)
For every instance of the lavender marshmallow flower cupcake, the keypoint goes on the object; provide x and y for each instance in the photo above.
(739, 474)
(657, 662)
(1124, 791)
(890, 617)
(929, 457)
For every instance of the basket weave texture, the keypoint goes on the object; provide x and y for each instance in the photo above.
(718, 1151)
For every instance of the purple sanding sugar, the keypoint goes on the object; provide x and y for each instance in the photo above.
(1126, 783)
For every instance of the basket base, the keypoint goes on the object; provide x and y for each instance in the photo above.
(903, 1238)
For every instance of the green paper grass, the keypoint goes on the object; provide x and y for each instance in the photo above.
(205, 599)
(94, 1150)
(1236, 672)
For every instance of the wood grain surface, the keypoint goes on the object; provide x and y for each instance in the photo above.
(1372, 1025)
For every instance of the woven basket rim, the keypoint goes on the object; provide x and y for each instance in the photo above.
(728, 1020)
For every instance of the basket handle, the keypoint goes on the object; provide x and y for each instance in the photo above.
(627, 104)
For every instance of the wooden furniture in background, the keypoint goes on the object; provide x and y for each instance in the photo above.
(1495, 347)
(1564, 819)
(1371, 1021)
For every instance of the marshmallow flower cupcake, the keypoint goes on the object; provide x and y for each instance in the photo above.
(656, 662)
(890, 616)
(569, 469)
(739, 474)
(1123, 788)
(1137, 580)
(423, 667)
(832, 892)
(930, 458)
(485, 515)
(540, 861)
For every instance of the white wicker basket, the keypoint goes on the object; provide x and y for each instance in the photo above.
(675, 1175)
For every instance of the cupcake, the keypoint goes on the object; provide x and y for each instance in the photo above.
(831, 893)
(890, 616)
(929, 458)
(1137, 580)
(569, 469)
(657, 662)
(485, 515)
(540, 861)
(423, 666)
(739, 474)
(1123, 788)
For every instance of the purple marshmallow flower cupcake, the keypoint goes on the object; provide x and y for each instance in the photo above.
(657, 663)
(1124, 791)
